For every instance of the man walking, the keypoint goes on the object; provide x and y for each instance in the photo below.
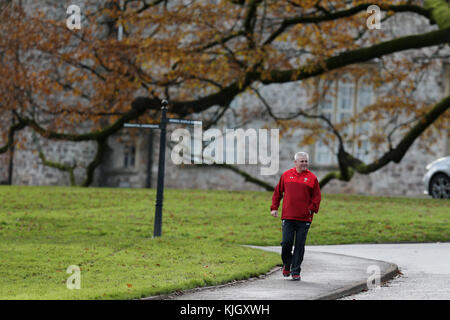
(300, 191)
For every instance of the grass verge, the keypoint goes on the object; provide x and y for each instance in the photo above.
(108, 234)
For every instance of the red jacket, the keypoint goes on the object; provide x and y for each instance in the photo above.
(300, 193)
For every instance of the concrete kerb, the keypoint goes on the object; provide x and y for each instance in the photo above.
(177, 293)
(389, 273)
(329, 287)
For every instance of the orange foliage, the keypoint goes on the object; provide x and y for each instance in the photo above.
(182, 51)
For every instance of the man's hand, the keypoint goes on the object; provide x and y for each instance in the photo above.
(274, 213)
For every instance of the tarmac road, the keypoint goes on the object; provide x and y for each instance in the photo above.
(425, 269)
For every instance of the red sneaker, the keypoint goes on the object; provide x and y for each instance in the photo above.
(296, 277)
(286, 271)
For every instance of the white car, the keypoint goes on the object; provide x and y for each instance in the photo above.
(437, 178)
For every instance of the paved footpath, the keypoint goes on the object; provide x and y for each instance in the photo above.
(324, 276)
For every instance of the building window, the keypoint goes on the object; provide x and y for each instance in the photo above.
(323, 154)
(365, 97)
(326, 105)
(129, 156)
(342, 100)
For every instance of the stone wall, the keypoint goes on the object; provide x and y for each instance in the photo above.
(4, 165)
(29, 168)
(403, 179)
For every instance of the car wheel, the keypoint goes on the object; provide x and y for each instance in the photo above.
(440, 186)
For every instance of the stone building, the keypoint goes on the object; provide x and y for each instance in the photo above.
(132, 156)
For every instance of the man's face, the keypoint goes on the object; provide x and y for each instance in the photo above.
(301, 163)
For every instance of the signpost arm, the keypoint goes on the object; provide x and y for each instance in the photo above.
(161, 168)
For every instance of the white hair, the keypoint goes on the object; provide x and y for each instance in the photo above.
(301, 153)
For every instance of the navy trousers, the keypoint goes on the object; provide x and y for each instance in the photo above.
(294, 234)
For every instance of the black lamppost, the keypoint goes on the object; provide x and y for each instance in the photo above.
(161, 169)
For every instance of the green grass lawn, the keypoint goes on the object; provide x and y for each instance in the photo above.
(108, 234)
